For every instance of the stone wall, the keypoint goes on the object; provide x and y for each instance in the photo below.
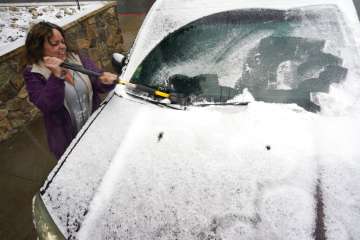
(97, 34)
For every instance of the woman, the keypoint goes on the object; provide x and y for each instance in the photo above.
(65, 98)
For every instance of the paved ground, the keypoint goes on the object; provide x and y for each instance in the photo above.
(25, 162)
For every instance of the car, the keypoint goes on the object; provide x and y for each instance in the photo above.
(232, 120)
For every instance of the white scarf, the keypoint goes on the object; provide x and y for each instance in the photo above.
(72, 58)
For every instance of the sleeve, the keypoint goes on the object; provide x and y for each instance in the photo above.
(96, 84)
(47, 95)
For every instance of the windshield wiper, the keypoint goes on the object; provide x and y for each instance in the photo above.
(143, 88)
(158, 95)
(221, 104)
(158, 102)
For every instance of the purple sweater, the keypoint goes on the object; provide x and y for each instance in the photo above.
(48, 96)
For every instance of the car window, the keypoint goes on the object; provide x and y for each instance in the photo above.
(278, 56)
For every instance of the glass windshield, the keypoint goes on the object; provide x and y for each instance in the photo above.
(275, 55)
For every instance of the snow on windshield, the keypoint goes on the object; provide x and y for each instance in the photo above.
(291, 56)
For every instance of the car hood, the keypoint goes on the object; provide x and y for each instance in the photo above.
(232, 172)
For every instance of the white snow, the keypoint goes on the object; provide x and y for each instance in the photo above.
(194, 176)
(16, 19)
(220, 174)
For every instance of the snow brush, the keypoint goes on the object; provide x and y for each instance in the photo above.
(80, 68)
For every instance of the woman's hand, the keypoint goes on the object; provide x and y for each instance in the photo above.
(108, 78)
(53, 63)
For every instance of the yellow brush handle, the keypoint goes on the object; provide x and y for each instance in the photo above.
(131, 85)
(162, 94)
(119, 81)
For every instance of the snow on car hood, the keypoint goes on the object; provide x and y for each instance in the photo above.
(166, 16)
(252, 176)
(228, 172)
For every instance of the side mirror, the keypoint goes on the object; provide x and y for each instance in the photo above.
(118, 62)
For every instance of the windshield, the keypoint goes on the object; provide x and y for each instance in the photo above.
(262, 54)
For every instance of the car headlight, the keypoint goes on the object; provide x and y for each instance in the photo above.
(45, 226)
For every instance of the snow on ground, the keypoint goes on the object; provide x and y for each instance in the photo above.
(16, 19)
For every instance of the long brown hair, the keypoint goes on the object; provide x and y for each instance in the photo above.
(35, 39)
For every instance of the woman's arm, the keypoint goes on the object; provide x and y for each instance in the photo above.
(100, 84)
(47, 95)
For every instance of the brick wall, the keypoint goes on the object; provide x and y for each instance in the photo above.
(97, 34)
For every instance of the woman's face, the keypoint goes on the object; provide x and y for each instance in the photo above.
(55, 45)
